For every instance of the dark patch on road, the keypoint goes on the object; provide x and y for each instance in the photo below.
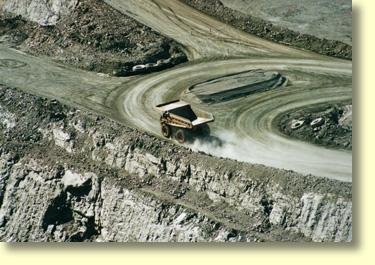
(318, 124)
(237, 85)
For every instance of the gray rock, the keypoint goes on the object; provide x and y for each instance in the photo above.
(109, 188)
(63, 139)
(45, 12)
(346, 118)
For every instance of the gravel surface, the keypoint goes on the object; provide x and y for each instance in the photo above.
(311, 78)
(325, 19)
(328, 125)
(253, 21)
(69, 175)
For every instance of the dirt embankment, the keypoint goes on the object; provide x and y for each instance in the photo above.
(328, 125)
(269, 31)
(67, 175)
(93, 36)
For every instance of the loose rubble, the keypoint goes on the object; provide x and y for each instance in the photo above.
(328, 125)
(114, 183)
(93, 36)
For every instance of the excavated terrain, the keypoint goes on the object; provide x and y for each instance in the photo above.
(93, 37)
(263, 28)
(333, 125)
(68, 175)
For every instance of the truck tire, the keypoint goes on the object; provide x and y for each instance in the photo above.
(166, 130)
(317, 122)
(295, 124)
(180, 136)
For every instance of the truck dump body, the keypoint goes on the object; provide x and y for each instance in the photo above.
(183, 110)
(179, 114)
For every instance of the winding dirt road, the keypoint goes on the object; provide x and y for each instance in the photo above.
(245, 125)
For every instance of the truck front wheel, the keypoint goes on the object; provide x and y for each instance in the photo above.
(166, 130)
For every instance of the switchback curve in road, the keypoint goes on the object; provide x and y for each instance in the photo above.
(245, 124)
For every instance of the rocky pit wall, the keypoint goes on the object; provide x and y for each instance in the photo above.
(67, 175)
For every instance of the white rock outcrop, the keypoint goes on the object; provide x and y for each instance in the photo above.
(44, 12)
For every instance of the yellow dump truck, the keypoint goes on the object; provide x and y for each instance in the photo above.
(179, 120)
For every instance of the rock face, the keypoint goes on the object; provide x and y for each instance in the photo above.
(346, 120)
(46, 12)
(66, 175)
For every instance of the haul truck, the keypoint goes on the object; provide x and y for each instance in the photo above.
(179, 120)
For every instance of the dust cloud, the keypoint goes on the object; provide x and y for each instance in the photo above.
(227, 144)
(275, 151)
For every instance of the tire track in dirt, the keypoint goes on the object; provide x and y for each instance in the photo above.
(245, 124)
